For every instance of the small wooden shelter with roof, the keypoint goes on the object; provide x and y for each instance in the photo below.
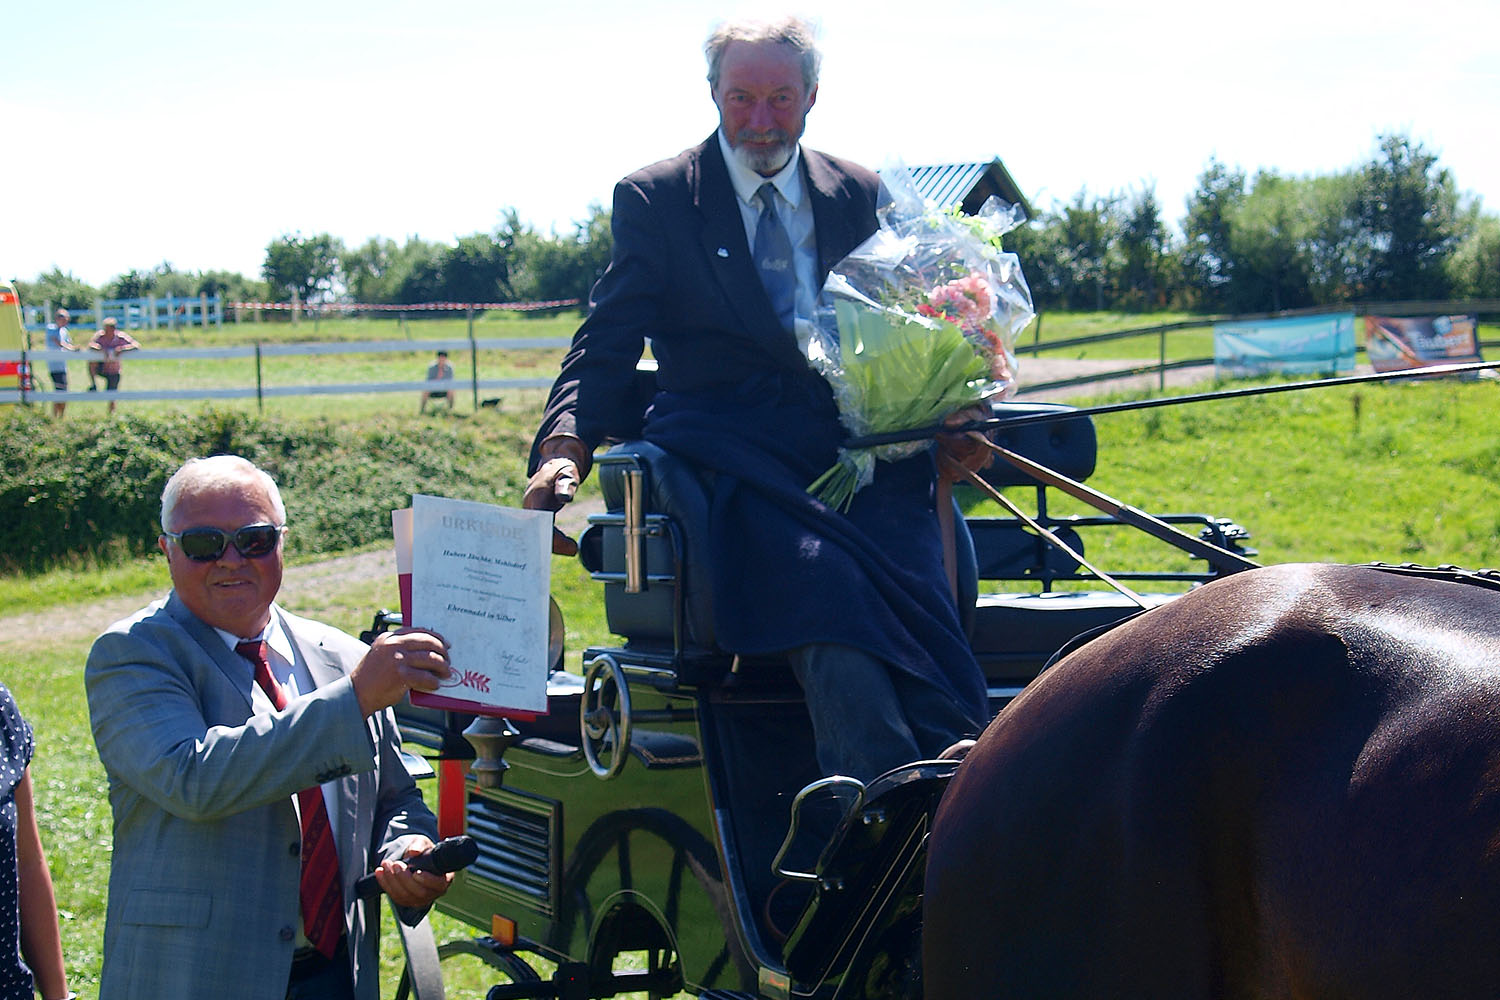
(968, 184)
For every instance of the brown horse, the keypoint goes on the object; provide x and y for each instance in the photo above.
(1283, 784)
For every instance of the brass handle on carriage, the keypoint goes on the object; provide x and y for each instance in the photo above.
(601, 725)
(635, 532)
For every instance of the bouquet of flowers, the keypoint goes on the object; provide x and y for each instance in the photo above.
(919, 322)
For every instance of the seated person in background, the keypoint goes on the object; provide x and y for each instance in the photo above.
(253, 768)
(719, 253)
(439, 371)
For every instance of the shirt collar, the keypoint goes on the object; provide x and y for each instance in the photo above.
(274, 636)
(747, 182)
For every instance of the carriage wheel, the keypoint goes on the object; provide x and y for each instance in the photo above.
(604, 716)
(469, 967)
(608, 865)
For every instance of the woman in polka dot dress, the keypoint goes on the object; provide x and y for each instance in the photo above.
(30, 947)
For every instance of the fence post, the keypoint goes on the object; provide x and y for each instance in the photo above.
(1161, 360)
(203, 310)
(260, 399)
(296, 306)
(473, 360)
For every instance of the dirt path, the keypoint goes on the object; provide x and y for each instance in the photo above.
(84, 621)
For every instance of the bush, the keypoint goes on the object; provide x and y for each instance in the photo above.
(77, 497)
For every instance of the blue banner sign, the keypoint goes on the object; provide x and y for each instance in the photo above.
(1301, 345)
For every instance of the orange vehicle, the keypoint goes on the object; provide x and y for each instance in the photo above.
(15, 373)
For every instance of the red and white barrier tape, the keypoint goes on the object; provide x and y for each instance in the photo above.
(410, 307)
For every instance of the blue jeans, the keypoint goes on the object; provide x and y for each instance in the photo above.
(869, 717)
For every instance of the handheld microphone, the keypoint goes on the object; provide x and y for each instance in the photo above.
(446, 856)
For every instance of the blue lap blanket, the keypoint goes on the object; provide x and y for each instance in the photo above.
(788, 570)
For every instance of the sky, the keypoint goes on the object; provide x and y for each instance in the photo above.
(196, 133)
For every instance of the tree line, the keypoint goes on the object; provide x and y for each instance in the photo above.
(1395, 228)
(513, 263)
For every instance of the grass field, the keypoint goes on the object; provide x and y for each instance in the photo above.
(1394, 472)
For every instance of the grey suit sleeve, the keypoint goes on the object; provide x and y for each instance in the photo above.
(168, 723)
(400, 811)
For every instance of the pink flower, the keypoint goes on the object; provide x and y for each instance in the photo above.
(964, 300)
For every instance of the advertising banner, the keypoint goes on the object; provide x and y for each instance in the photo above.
(1417, 341)
(1300, 345)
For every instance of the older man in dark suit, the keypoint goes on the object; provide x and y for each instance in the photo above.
(719, 256)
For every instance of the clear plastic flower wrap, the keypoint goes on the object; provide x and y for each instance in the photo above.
(917, 323)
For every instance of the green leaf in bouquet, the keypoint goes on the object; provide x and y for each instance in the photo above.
(904, 371)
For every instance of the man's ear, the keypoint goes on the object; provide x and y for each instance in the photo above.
(811, 100)
(161, 543)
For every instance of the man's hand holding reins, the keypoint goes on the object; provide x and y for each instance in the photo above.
(565, 461)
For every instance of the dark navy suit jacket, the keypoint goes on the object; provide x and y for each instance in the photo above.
(682, 275)
(736, 396)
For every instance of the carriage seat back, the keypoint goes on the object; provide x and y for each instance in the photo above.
(1068, 446)
(1004, 548)
(668, 608)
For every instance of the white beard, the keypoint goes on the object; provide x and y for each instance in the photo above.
(764, 162)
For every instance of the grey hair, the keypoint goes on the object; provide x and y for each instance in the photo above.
(217, 470)
(789, 30)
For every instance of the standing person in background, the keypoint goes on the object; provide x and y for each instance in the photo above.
(254, 768)
(31, 959)
(112, 342)
(439, 370)
(719, 255)
(59, 340)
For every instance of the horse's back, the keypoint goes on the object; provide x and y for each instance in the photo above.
(1282, 784)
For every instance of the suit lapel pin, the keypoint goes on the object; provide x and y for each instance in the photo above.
(723, 251)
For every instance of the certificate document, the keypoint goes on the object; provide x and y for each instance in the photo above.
(481, 578)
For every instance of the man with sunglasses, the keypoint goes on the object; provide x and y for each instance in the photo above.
(253, 767)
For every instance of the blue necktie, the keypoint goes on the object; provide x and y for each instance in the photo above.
(773, 257)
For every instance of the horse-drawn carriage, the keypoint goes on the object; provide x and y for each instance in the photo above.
(668, 807)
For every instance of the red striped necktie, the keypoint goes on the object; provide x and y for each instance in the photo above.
(322, 901)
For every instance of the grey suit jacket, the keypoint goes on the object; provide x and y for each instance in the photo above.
(203, 897)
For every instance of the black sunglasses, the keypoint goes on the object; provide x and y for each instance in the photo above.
(253, 541)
